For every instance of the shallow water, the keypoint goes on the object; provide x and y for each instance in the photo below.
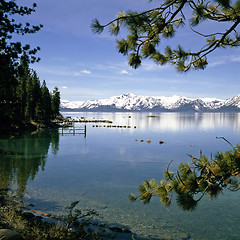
(51, 170)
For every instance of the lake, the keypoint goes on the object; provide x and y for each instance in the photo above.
(51, 169)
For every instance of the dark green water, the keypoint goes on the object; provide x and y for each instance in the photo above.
(51, 170)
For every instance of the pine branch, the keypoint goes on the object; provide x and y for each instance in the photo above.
(204, 35)
(226, 141)
(147, 27)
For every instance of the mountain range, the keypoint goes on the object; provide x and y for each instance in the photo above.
(132, 102)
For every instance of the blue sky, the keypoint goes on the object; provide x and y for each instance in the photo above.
(85, 66)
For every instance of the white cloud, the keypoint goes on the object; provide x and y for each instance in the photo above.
(77, 93)
(64, 87)
(151, 66)
(217, 63)
(76, 74)
(236, 59)
(53, 70)
(228, 59)
(124, 71)
(85, 71)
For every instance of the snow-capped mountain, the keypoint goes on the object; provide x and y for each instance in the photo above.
(132, 102)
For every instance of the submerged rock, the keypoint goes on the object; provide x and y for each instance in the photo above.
(28, 215)
(119, 230)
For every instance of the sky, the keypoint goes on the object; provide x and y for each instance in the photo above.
(85, 66)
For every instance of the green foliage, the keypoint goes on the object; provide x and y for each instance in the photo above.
(78, 218)
(35, 102)
(159, 58)
(20, 95)
(46, 103)
(96, 26)
(132, 198)
(148, 49)
(224, 3)
(192, 181)
(9, 27)
(146, 29)
(73, 225)
(24, 166)
(134, 60)
(23, 99)
(8, 85)
(56, 100)
(114, 29)
(122, 46)
(168, 31)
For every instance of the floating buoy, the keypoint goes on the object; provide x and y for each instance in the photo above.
(141, 140)
(161, 142)
(191, 145)
(148, 140)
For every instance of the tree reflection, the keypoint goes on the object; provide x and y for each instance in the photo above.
(22, 158)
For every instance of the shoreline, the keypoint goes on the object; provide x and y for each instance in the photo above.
(18, 222)
(15, 130)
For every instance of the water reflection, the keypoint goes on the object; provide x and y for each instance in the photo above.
(182, 121)
(105, 167)
(167, 121)
(22, 158)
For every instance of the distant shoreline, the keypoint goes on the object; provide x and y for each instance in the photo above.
(133, 103)
(63, 110)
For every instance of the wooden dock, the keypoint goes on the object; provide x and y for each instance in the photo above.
(74, 131)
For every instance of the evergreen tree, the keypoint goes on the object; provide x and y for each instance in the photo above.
(10, 54)
(55, 102)
(8, 27)
(36, 96)
(46, 109)
(23, 80)
(146, 30)
(34, 101)
(30, 107)
(8, 85)
(21, 97)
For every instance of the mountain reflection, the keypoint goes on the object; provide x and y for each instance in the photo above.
(186, 121)
(167, 121)
(22, 158)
